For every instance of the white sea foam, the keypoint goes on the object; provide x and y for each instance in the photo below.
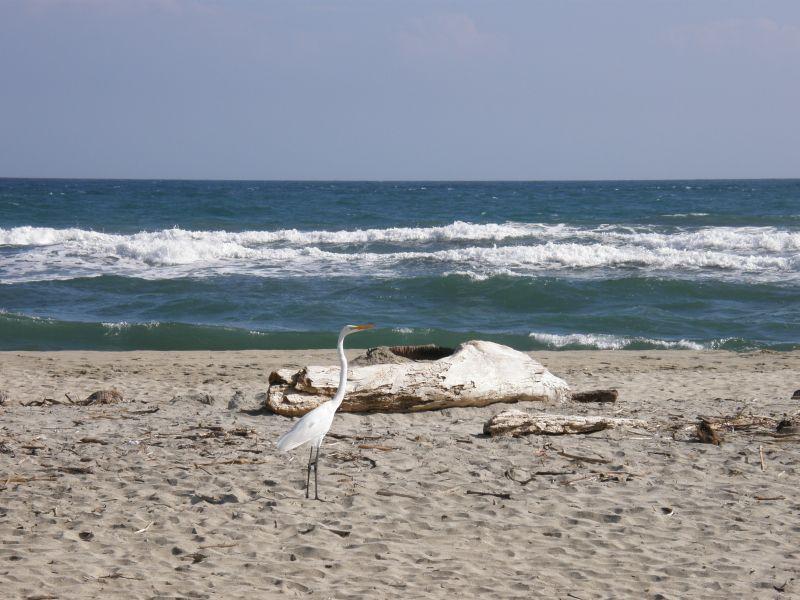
(181, 246)
(760, 253)
(691, 214)
(115, 328)
(459, 230)
(603, 341)
(403, 330)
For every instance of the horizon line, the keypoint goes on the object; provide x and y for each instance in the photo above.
(354, 180)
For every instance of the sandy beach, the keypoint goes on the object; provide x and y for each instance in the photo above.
(178, 492)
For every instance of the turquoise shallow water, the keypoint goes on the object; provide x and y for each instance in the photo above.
(230, 265)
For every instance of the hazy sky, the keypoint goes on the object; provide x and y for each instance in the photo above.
(380, 89)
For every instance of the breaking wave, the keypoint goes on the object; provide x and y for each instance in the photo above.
(600, 341)
(180, 245)
(753, 253)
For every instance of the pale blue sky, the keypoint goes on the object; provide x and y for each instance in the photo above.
(373, 89)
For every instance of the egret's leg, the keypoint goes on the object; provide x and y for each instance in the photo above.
(308, 470)
(316, 471)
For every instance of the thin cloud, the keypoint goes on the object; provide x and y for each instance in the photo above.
(446, 36)
(761, 35)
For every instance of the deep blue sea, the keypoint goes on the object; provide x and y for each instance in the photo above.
(106, 264)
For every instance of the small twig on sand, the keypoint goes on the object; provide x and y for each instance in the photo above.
(118, 576)
(207, 546)
(375, 447)
(359, 438)
(577, 479)
(503, 495)
(597, 461)
(26, 479)
(391, 493)
(196, 466)
(509, 475)
(765, 498)
(233, 461)
(761, 454)
(149, 525)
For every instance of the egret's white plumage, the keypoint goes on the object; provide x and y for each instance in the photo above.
(313, 426)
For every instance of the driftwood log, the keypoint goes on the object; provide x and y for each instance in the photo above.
(477, 373)
(516, 423)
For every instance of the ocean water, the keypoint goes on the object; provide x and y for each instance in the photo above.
(123, 264)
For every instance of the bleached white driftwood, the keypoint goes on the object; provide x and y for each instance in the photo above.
(478, 373)
(516, 422)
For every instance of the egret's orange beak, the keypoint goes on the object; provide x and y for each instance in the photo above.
(366, 326)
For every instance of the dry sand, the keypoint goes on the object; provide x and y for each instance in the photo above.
(192, 501)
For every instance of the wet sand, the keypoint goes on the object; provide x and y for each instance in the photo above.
(174, 494)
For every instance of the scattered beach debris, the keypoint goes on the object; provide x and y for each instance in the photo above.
(47, 401)
(477, 373)
(92, 440)
(3, 397)
(101, 397)
(111, 396)
(348, 456)
(708, 430)
(201, 432)
(514, 475)
(195, 557)
(86, 536)
(787, 427)
(596, 396)
(796, 395)
(516, 423)
(213, 498)
(706, 434)
(739, 421)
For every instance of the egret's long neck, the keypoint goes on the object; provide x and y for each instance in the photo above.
(337, 399)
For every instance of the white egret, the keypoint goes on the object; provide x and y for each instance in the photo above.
(313, 426)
